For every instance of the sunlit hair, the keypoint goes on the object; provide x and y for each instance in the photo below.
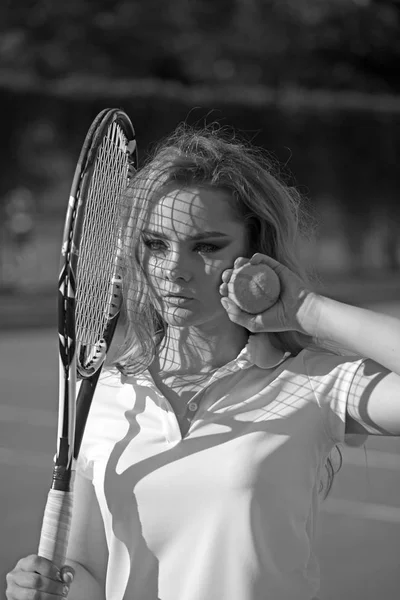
(271, 210)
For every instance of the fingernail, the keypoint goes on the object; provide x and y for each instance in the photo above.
(65, 590)
(68, 577)
(225, 302)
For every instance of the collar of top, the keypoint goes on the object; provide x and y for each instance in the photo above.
(260, 352)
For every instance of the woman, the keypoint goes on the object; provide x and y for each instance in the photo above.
(202, 463)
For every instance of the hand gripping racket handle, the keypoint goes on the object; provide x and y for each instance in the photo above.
(56, 526)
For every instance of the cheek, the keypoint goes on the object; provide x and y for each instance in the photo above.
(153, 267)
(213, 270)
(153, 271)
(211, 265)
(153, 264)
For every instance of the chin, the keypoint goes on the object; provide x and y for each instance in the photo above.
(180, 317)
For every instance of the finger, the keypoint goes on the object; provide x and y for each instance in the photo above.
(237, 315)
(67, 574)
(226, 275)
(270, 320)
(35, 581)
(16, 592)
(240, 261)
(41, 565)
(259, 258)
(223, 289)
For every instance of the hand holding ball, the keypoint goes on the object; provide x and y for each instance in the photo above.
(254, 288)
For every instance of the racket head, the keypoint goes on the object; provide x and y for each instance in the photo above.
(90, 294)
(90, 257)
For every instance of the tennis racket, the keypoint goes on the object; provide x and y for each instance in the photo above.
(89, 301)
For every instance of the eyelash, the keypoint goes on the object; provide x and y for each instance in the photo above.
(151, 243)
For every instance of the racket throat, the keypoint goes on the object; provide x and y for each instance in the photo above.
(90, 360)
(63, 478)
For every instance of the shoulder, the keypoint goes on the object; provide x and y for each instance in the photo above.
(107, 422)
(114, 390)
(113, 396)
(110, 381)
(330, 377)
(321, 363)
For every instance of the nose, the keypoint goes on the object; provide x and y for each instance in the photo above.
(174, 269)
(176, 274)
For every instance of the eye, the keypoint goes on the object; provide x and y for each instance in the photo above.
(155, 245)
(205, 248)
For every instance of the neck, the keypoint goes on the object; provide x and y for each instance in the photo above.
(196, 350)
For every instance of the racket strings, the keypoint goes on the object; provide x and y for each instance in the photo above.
(98, 255)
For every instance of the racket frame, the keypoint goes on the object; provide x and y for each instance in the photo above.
(73, 412)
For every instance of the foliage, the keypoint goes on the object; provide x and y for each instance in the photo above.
(337, 44)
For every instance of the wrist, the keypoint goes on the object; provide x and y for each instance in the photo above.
(309, 314)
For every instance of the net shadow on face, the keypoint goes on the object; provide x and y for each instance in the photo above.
(175, 247)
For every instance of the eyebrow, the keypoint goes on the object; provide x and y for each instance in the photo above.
(198, 236)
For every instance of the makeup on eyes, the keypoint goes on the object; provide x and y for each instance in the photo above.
(160, 245)
(157, 241)
(202, 235)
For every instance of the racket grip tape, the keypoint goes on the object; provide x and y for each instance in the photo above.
(56, 526)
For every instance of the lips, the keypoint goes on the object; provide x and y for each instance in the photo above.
(177, 299)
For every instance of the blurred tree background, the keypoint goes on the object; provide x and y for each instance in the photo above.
(315, 82)
(333, 44)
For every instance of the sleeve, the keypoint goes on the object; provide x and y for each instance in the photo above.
(331, 378)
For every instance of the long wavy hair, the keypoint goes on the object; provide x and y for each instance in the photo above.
(273, 213)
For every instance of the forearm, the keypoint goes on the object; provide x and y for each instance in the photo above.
(365, 332)
(84, 585)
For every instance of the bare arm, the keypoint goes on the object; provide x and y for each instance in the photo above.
(374, 399)
(365, 332)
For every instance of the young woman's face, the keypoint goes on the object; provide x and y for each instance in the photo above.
(190, 238)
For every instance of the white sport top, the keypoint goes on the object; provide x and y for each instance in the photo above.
(229, 511)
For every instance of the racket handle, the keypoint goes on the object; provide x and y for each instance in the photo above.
(56, 526)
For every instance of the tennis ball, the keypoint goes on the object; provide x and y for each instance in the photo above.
(254, 288)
